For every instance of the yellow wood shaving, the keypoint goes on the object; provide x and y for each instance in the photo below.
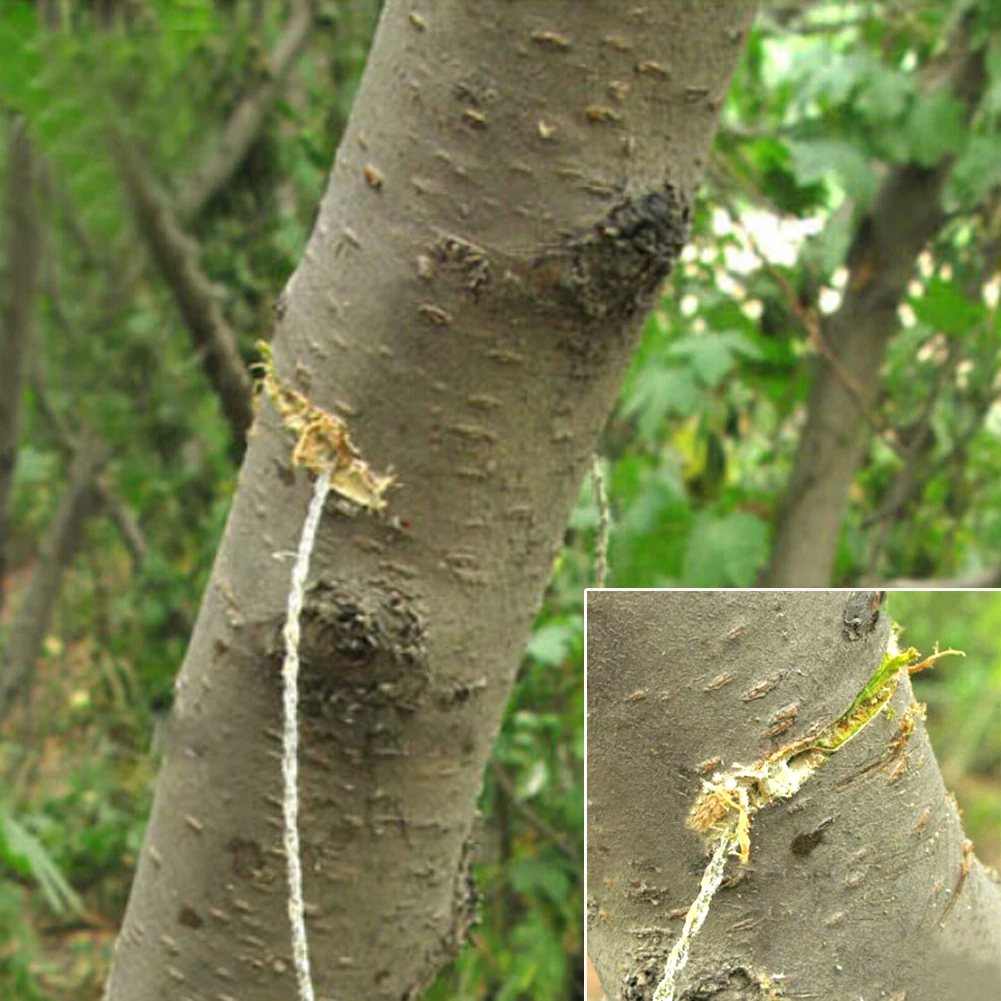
(323, 441)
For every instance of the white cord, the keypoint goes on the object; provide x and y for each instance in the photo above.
(696, 915)
(290, 735)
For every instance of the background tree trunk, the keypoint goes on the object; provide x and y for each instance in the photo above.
(31, 620)
(906, 214)
(513, 185)
(23, 252)
(861, 885)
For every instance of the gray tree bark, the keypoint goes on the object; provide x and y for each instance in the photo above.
(859, 886)
(905, 215)
(512, 187)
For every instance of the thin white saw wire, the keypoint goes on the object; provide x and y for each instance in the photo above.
(711, 880)
(290, 735)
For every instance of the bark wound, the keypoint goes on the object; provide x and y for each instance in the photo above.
(611, 272)
(733, 983)
(862, 613)
(362, 653)
(640, 984)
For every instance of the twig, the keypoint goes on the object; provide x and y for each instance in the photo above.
(810, 322)
(23, 255)
(31, 620)
(176, 257)
(528, 814)
(604, 522)
(245, 123)
(116, 508)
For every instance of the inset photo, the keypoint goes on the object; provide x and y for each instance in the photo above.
(793, 794)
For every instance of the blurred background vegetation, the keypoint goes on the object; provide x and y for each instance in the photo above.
(126, 460)
(963, 699)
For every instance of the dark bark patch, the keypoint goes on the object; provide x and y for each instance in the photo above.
(189, 917)
(640, 983)
(361, 650)
(248, 859)
(862, 613)
(612, 271)
(803, 844)
(734, 984)
(470, 261)
(285, 473)
(456, 694)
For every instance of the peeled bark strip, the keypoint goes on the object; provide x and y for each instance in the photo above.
(176, 257)
(512, 187)
(23, 250)
(859, 885)
(248, 117)
(905, 215)
(31, 621)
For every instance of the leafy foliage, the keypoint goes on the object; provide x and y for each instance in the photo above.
(826, 100)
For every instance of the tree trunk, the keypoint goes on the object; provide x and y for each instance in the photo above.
(859, 885)
(23, 239)
(31, 621)
(905, 215)
(512, 187)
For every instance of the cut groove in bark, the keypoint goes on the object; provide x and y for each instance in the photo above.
(176, 257)
(23, 251)
(31, 620)
(474, 314)
(905, 215)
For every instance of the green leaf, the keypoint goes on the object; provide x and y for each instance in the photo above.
(658, 393)
(885, 93)
(818, 159)
(977, 170)
(945, 307)
(25, 853)
(536, 876)
(826, 252)
(712, 356)
(936, 127)
(552, 643)
(725, 551)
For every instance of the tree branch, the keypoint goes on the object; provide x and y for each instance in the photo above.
(23, 252)
(248, 117)
(904, 216)
(117, 509)
(176, 257)
(529, 815)
(24, 644)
